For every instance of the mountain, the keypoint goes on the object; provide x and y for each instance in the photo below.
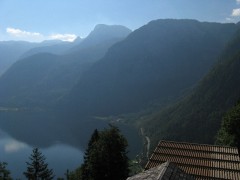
(103, 34)
(57, 47)
(42, 79)
(10, 51)
(97, 43)
(25, 78)
(197, 117)
(155, 64)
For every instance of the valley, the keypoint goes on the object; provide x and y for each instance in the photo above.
(170, 79)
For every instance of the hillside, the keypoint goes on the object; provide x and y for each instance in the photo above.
(197, 117)
(155, 64)
(43, 78)
(54, 47)
(10, 51)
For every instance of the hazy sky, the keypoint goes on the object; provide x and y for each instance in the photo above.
(36, 20)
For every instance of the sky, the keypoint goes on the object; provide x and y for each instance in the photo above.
(38, 20)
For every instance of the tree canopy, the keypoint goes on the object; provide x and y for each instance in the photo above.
(106, 156)
(4, 172)
(37, 168)
(229, 133)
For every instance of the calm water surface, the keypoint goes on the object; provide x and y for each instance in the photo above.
(60, 157)
(61, 138)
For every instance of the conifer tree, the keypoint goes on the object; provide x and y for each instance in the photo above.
(106, 156)
(84, 168)
(4, 173)
(37, 169)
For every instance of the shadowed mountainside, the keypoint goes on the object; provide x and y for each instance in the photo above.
(197, 117)
(155, 64)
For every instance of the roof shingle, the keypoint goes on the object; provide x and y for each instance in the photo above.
(166, 171)
(199, 160)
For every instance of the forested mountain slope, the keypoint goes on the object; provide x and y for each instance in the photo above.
(197, 117)
(154, 64)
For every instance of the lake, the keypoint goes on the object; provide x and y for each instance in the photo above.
(60, 157)
(61, 138)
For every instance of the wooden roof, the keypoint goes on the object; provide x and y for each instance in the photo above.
(167, 170)
(199, 160)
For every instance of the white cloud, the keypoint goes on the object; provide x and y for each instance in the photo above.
(22, 33)
(63, 37)
(236, 12)
(238, 1)
(14, 146)
(35, 36)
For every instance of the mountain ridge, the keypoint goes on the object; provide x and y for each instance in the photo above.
(163, 53)
(102, 33)
(43, 88)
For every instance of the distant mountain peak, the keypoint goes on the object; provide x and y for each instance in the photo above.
(104, 33)
(110, 31)
(100, 26)
(105, 26)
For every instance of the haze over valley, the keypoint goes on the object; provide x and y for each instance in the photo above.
(155, 76)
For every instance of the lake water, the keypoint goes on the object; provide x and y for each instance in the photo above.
(60, 157)
(62, 139)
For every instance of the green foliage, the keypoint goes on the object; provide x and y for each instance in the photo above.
(134, 167)
(197, 117)
(75, 175)
(106, 156)
(91, 145)
(37, 168)
(229, 134)
(4, 172)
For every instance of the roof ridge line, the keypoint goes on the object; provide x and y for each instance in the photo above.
(211, 145)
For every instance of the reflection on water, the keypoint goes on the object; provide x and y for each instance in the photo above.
(60, 157)
(61, 137)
